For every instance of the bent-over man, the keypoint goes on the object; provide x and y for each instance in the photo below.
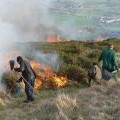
(28, 76)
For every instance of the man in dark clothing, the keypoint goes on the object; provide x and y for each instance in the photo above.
(108, 56)
(28, 76)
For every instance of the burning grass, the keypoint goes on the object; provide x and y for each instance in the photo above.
(46, 78)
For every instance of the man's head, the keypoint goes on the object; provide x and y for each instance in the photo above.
(19, 59)
(94, 64)
(110, 45)
(12, 63)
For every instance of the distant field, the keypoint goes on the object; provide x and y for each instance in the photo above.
(78, 20)
(102, 16)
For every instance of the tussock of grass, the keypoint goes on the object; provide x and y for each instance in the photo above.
(65, 101)
(102, 102)
(4, 98)
(99, 102)
(57, 108)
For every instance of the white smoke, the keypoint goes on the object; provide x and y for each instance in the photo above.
(20, 21)
(48, 59)
(27, 16)
(30, 20)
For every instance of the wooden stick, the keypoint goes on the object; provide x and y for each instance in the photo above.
(30, 85)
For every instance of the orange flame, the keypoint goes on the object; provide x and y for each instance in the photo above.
(46, 77)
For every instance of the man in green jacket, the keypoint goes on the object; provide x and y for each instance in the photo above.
(108, 56)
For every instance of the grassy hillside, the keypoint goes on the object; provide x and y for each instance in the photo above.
(95, 103)
(74, 102)
(75, 57)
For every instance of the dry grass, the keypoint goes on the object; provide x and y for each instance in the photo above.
(99, 102)
(102, 102)
(4, 98)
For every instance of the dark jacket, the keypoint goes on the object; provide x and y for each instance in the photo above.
(26, 70)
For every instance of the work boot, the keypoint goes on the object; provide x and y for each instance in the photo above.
(32, 99)
(26, 101)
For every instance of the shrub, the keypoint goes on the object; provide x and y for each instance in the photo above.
(9, 79)
(94, 54)
(68, 58)
(74, 72)
(85, 62)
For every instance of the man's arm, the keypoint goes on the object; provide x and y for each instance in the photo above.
(21, 68)
(115, 61)
(19, 80)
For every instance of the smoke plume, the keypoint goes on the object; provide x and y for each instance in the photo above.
(21, 21)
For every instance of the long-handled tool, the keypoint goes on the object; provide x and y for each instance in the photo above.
(10, 89)
(12, 63)
(114, 74)
(29, 85)
(116, 71)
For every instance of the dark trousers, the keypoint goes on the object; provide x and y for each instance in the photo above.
(107, 74)
(89, 80)
(29, 85)
(94, 79)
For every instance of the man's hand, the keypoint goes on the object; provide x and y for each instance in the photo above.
(19, 80)
(117, 69)
(15, 69)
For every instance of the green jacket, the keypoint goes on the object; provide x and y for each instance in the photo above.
(108, 56)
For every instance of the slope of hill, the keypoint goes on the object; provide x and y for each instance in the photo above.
(95, 103)
(74, 102)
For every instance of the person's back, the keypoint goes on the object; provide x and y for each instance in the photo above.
(108, 57)
(28, 76)
(28, 73)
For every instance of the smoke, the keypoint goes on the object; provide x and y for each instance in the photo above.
(27, 17)
(48, 59)
(33, 20)
(20, 22)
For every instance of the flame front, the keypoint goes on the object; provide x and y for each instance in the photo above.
(46, 77)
